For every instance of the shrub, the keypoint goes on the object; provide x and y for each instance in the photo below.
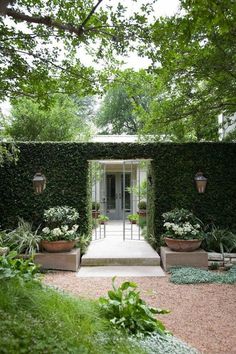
(95, 206)
(61, 215)
(219, 240)
(13, 267)
(150, 238)
(125, 309)
(83, 243)
(142, 205)
(23, 239)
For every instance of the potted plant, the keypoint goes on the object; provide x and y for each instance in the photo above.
(183, 230)
(142, 206)
(60, 233)
(95, 209)
(133, 218)
(102, 219)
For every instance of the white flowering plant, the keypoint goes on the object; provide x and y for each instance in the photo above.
(61, 215)
(183, 225)
(60, 224)
(61, 233)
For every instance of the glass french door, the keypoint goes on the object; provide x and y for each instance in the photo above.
(117, 195)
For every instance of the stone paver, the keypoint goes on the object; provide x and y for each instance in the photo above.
(121, 271)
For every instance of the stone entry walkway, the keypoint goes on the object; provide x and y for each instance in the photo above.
(112, 256)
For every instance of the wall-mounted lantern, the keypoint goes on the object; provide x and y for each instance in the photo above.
(201, 182)
(39, 183)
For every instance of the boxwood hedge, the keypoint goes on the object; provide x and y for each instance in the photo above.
(173, 167)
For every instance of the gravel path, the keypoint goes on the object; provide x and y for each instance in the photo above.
(204, 315)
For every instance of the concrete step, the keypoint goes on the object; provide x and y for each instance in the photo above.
(116, 252)
(115, 261)
(120, 271)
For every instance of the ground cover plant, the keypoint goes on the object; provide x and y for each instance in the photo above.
(188, 275)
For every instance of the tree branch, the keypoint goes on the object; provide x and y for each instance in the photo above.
(49, 21)
(90, 14)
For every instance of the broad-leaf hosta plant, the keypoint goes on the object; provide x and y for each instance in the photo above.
(183, 225)
(126, 310)
(11, 266)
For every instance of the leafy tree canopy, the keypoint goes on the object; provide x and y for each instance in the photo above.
(62, 121)
(149, 105)
(197, 50)
(116, 113)
(42, 41)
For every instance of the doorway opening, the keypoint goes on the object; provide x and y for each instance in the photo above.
(119, 187)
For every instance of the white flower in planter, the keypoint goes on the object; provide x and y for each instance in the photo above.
(57, 231)
(64, 228)
(75, 227)
(46, 230)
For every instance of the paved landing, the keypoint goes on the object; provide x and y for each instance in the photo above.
(112, 255)
(114, 251)
(121, 271)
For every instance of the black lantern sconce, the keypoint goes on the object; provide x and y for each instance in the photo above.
(39, 183)
(201, 182)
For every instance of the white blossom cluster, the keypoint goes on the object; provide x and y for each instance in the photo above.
(185, 229)
(61, 213)
(63, 232)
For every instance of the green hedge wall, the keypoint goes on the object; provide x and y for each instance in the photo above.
(173, 182)
(173, 167)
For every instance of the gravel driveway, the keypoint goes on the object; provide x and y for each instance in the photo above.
(204, 315)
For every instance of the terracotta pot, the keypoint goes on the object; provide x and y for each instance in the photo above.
(95, 214)
(133, 222)
(58, 246)
(182, 245)
(142, 213)
(102, 222)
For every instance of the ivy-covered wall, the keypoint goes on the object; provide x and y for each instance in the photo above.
(174, 186)
(173, 168)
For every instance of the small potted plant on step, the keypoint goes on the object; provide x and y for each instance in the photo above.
(142, 206)
(102, 219)
(60, 233)
(95, 210)
(133, 218)
(183, 230)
